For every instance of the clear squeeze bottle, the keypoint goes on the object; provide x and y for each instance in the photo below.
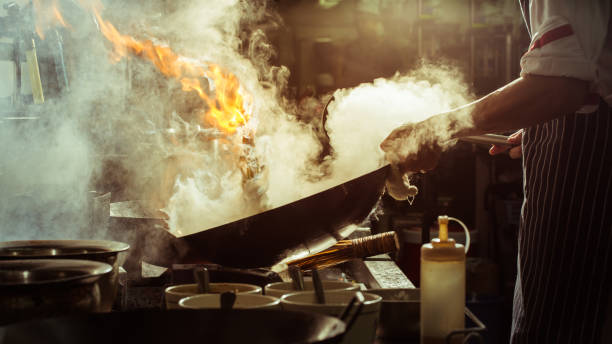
(443, 286)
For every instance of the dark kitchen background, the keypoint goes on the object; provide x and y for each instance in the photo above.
(331, 44)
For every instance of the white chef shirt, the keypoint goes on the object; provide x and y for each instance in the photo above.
(572, 38)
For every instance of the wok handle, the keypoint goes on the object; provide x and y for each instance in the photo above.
(488, 139)
(356, 302)
(372, 245)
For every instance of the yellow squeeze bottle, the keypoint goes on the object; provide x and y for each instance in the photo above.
(442, 286)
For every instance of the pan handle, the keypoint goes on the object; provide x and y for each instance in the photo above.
(488, 139)
(356, 302)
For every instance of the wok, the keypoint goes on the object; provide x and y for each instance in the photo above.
(180, 326)
(302, 227)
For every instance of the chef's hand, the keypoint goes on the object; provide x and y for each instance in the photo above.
(515, 151)
(412, 147)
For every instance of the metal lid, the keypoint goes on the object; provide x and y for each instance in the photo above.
(45, 271)
(37, 249)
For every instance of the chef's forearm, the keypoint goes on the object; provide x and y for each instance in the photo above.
(522, 103)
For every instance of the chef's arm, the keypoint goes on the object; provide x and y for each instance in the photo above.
(527, 101)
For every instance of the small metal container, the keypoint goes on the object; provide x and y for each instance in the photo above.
(175, 293)
(96, 250)
(33, 288)
(243, 301)
(362, 331)
(399, 313)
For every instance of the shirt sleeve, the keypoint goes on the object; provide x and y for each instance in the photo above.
(568, 37)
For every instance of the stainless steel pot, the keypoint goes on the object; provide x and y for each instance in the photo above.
(33, 288)
(96, 250)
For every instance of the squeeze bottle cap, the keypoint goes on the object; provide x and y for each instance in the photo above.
(443, 240)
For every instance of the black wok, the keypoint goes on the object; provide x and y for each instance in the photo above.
(180, 326)
(302, 227)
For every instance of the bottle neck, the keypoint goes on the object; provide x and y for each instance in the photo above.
(438, 242)
(443, 228)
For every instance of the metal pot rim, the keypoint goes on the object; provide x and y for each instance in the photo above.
(37, 272)
(41, 249)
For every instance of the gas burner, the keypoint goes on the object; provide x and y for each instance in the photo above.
(146, 289)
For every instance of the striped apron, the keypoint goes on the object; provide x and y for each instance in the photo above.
(562, 292)
(565, 235)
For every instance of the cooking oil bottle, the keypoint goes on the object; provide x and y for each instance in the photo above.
(443, 286)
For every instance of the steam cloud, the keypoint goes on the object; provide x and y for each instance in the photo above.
(362, 117)
(43, 181)
(108, 113)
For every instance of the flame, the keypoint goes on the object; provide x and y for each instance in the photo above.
(47, 15)
(226, 110)
(59, 17)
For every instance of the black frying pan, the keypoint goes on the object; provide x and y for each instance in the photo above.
(179, 326)
(304, 226)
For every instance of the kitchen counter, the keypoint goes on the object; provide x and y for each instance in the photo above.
(377, 272)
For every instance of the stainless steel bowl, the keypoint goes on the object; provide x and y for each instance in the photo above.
(96, 250)
(32, 288)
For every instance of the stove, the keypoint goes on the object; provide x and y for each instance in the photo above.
(144, 288)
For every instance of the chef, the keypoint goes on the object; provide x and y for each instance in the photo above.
(561, 104)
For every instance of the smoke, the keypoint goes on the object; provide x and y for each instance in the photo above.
(47, 161)
(362, 117)
(205, 194)
(44, 175)
(153, 131)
